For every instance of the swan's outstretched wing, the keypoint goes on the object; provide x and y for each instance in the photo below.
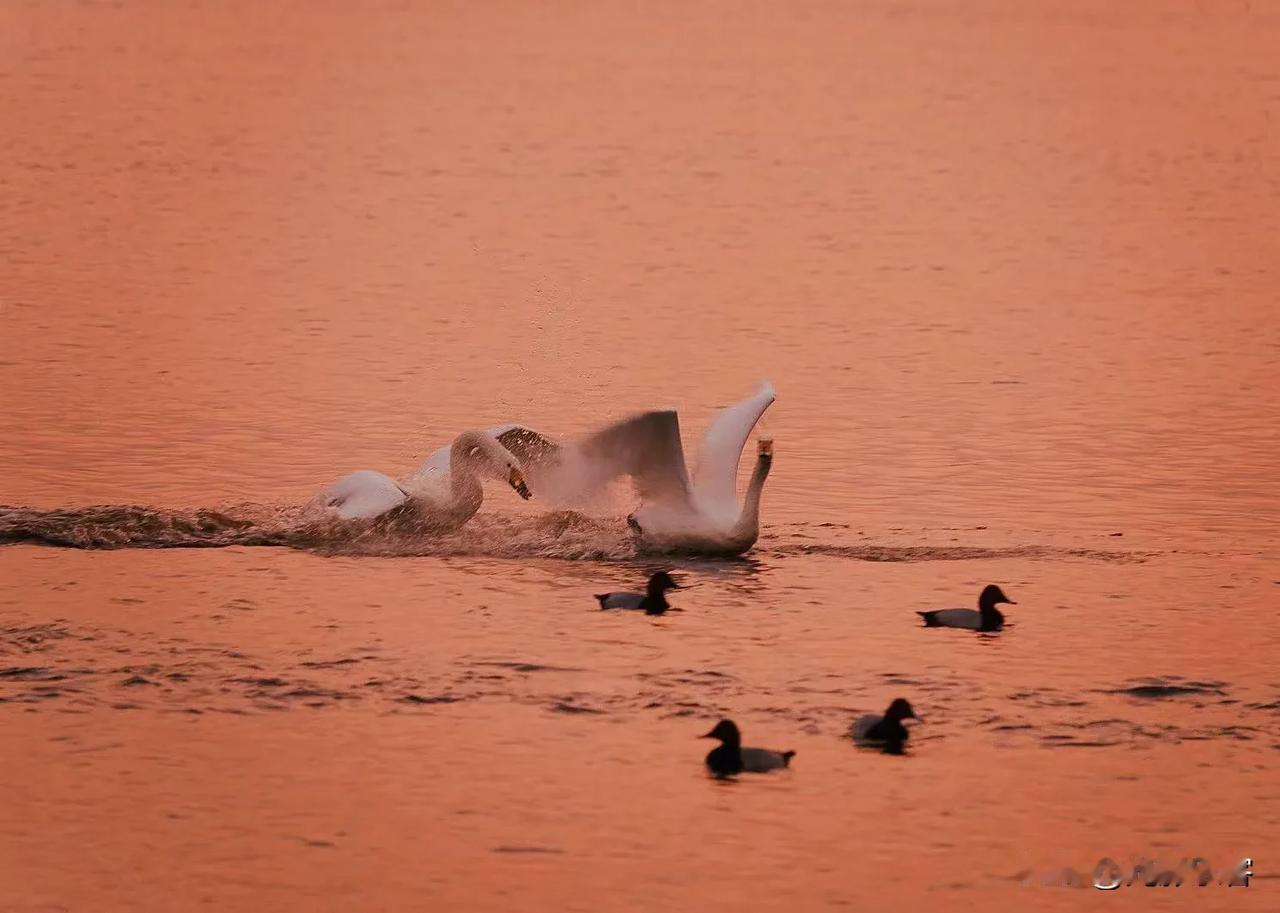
(646, 447)
(715, 481)
(531, 448)
(363, 495)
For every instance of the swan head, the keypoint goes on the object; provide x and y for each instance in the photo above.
(481, 453)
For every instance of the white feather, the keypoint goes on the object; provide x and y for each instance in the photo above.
(363, 495)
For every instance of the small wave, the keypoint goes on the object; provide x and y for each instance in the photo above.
(58, 668)
(129, 526)
(27, 673)
(569, 707)
(1173, 686)
(431, 699)
(908, 553)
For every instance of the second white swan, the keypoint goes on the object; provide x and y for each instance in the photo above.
(439, 499)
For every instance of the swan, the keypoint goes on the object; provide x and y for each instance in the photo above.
(679, 512)
(729, 757)
(986, 618)
(439, 500)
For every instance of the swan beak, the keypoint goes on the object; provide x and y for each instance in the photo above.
(517, 482)
(765, 447)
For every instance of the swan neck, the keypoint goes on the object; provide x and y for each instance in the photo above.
(464, 484)
(748, 525)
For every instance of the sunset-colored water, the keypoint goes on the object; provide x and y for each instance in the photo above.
(1010, 266)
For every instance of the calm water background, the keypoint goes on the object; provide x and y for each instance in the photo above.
(1010, 266)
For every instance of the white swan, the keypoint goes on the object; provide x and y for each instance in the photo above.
(678, 513)
(440, 500)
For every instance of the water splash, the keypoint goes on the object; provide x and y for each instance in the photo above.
(562, 534)
(566, 535)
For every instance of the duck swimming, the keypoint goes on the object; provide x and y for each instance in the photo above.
(986, 618)
(886, 731)
(653, 601)
(730, 758)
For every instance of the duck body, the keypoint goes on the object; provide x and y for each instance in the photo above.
(885, 731)
(729, 758)
(621, 600)
(653, 601)
(985, 618)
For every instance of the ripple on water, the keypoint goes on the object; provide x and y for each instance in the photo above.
(1169, 686)
(80, 667)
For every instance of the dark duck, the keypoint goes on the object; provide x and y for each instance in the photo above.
(986, 618)
(885, 732)
(730, 758)
(653, 601)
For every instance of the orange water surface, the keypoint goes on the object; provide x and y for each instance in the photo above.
(1010, 265)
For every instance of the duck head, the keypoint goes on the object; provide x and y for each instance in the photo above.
(992, 595)
(725, 731)
(899, 710)
(660, 582)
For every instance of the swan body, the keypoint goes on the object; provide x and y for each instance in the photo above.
(439, 500)
(696, 513)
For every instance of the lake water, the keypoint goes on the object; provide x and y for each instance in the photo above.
(1011, 268)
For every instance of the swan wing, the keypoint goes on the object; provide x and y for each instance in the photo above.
(533, 450)
(715, 480)
(436, 464)
(363, 495)
(645, 447)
